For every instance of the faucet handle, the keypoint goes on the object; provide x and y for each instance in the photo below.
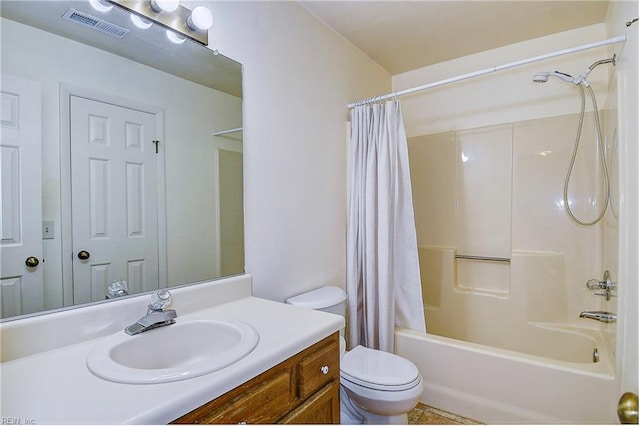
(594, 284)
(606, 284)
(606, 280)
(160, 300)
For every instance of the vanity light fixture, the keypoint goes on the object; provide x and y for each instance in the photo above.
(164, 5)
(176, 18)
(101, 5)
(175, 37)
(200, 19)
(140, 22)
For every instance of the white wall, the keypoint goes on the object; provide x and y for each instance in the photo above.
(627, 80)
(298, 78)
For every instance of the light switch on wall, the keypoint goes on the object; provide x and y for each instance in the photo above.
(47, 229)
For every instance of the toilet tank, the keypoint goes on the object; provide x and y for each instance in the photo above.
(328, 299)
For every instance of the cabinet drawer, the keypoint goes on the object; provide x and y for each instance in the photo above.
(318, 369)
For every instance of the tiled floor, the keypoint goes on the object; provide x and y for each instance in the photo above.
(425, 415)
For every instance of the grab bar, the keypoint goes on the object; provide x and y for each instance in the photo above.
(488, 259)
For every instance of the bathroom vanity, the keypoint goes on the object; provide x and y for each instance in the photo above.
(45, 378)
(303, 389)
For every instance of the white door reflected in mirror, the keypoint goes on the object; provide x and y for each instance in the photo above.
(114, 195)
(22, 289)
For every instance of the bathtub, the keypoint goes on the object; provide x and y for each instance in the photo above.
(505, 343)
(558, 384)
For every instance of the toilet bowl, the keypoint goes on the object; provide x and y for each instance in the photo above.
(376, 387)
(382, 387)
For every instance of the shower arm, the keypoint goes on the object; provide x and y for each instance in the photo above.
(612, 59)
(583, 77)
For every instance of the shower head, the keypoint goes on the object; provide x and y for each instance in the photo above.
(543, 77)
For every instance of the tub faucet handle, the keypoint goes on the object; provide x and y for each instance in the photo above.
(606, 284)
(593, 284)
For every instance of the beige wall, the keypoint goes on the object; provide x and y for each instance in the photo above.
(298, 78)
(497, 191)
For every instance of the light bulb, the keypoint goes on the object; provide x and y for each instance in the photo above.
(200, 19)
(175, 38)
(140, 22)
(100, 5)
(164, 5)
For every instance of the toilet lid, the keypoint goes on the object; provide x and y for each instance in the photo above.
(378, 369)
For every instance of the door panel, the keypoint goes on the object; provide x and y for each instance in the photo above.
(21, 287)
(114, 198)
(231, 212)
(230, 206)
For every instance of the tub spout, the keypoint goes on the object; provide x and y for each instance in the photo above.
(601, 316)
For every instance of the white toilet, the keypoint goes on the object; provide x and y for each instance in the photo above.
(376, 387)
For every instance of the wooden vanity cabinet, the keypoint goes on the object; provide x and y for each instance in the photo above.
(303, 389)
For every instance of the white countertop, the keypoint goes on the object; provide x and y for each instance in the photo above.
(55, 387)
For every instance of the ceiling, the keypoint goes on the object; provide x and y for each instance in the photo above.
(405, 35)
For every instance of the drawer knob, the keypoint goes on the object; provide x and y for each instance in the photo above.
(324, 369)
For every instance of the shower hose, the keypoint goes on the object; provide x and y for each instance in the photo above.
(603, 160)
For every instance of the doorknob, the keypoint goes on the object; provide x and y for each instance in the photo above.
(32, 262)
(83, 255)
(628, 408)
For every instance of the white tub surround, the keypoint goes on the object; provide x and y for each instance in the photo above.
(52, 385)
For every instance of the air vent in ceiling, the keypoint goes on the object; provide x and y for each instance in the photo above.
(95, 23)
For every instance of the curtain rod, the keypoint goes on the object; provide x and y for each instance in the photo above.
(615, 40)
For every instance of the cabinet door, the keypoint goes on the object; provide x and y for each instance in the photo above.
(250, 403)
(321, 408)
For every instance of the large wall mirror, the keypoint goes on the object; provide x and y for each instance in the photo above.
(121, 159)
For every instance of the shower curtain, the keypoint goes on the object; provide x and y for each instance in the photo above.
(383, 272)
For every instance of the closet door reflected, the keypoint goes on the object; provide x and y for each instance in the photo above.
(114, 195)
(21, 290)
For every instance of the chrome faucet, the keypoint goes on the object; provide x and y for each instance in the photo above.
(601, 316)
(156, 315)
(606, 285)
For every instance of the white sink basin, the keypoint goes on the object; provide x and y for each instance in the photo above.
(176, 352)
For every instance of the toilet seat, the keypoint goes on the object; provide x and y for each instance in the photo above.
(378, 370)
